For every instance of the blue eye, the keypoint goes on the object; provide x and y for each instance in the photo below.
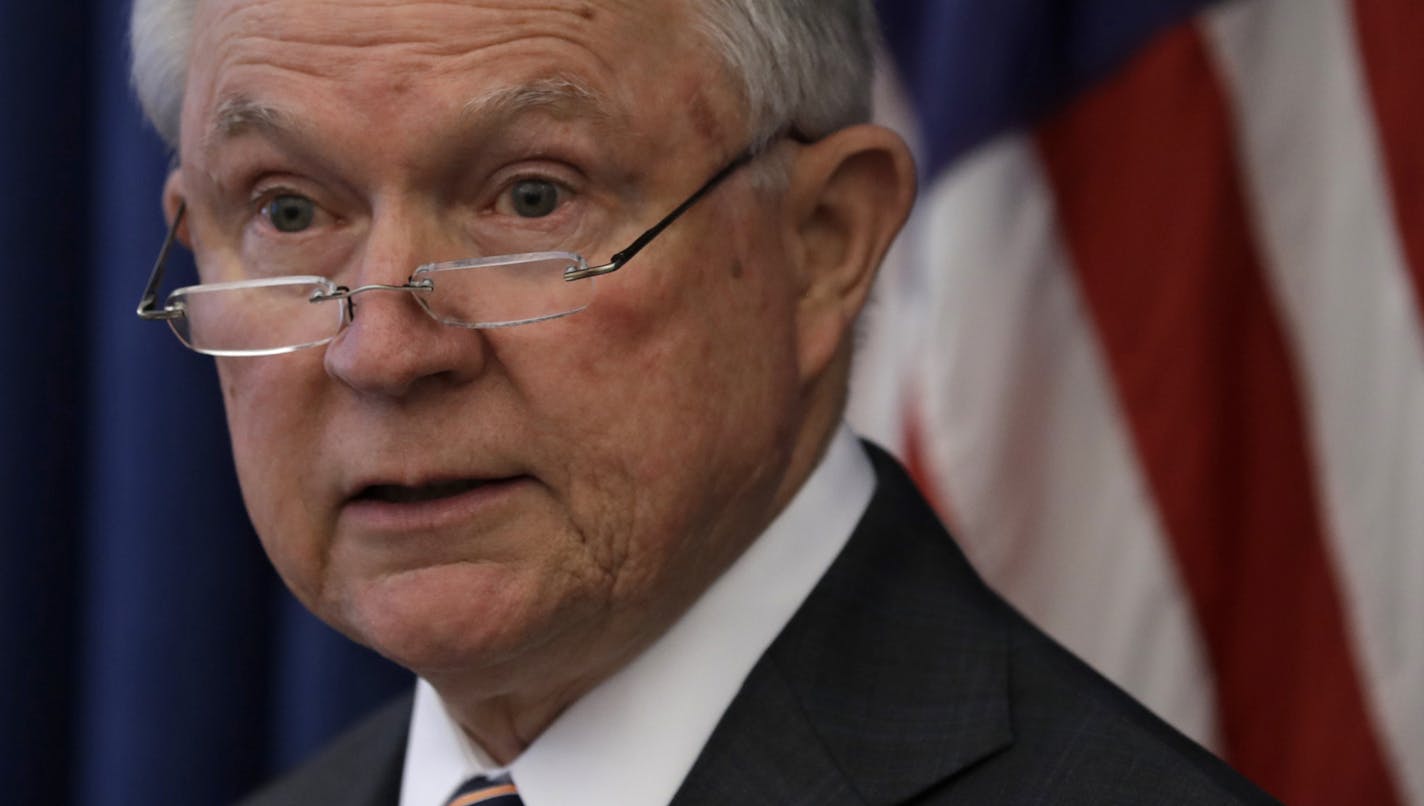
(290, 213)
(534, 198)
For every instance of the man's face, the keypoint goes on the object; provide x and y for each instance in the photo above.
(543, 497)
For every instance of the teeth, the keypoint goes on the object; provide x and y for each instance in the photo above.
(398, 494)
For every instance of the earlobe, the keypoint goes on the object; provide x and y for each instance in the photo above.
(850, 194)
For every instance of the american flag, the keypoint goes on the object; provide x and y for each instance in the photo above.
(1154, 344)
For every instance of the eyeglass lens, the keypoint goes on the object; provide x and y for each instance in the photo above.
(507, 293)
(282, 316)
(254, 320)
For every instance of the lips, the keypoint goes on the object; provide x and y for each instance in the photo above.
(403, 494)
(386, 507)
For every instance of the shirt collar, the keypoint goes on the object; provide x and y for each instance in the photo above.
(633, 738)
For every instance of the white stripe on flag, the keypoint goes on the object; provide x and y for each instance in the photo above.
(1317, 187)
(1022, 422)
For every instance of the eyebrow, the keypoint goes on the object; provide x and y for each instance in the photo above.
(560, 96)
(239, 114)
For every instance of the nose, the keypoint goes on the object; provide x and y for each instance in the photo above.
(390, 346)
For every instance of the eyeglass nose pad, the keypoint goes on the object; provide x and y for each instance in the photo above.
(348, 295)
(341, 295)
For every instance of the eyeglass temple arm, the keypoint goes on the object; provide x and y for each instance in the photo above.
(616, 262)
(148, 303)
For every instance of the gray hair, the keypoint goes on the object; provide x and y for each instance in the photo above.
(804, 65)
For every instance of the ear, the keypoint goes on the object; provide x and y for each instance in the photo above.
(173, 198)
(849, 195)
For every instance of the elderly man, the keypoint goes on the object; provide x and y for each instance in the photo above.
(534, 323)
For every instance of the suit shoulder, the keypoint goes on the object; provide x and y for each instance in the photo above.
(1078, 734)
(966, 662)
(359, 767)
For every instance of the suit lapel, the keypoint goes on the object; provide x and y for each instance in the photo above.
(890, 679)
(765, 752)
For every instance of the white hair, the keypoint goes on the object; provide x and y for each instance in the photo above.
(159, 34)
(805, 66)
(802, 65)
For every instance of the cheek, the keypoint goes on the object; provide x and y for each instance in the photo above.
(670, 403)
(271, 413)
(659, 372)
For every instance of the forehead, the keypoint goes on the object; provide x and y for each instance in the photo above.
(254, 62)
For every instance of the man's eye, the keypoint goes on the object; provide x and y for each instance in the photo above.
(534, 198)
(290, 213)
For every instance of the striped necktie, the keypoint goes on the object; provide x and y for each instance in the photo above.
(484, 791)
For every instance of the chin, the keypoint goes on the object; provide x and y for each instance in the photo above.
(462, 617)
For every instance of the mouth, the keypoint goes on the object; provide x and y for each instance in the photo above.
(384, 507)
(420, 494)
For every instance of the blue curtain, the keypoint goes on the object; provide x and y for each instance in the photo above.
(151, 656)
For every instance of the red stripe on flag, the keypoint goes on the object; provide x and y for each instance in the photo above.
(1390, 33)
(1153, 211)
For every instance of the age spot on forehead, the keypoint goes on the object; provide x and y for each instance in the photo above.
(400, 85)
(705, 120)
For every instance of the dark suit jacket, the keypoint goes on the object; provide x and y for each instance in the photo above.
(901, 680)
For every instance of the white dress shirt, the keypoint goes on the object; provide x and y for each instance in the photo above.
(632, 739)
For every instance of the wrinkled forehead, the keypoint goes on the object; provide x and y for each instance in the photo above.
(435, 28)
(265, 63)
